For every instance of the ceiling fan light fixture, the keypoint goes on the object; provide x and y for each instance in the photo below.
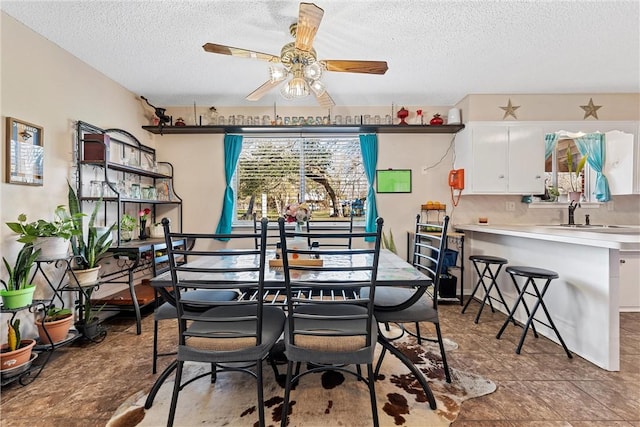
(297, 87)
(318, 88)
(312, 71)
(277, 74)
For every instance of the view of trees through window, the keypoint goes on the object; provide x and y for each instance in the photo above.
(325, 173)
(560, 174)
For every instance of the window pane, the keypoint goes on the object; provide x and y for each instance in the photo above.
(325, 173)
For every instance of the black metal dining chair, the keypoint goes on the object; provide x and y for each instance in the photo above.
(326, 328)
(343, 228)
(418, 304)
(222, 333)
(273, 235)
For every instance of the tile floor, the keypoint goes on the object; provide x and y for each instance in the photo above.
(84, 383)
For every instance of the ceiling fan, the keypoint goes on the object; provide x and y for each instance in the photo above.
(299, 61)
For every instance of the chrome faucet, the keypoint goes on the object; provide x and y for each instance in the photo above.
(572, 209)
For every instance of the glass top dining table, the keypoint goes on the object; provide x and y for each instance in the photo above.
(392, 271)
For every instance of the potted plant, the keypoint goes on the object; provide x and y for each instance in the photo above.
(18, 290)
(554, 193)
(574, 176)
(87, 249)
(54, 325)
(51, 237)
(128, 224)
(89, 325)
(16, 352)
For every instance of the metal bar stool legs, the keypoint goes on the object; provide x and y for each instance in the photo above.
(487, 273)
(532, 273)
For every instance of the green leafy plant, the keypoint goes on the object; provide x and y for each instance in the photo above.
(388, 243)
(61, 226)
(88, 248)
(20, 273)
(574, 176)
(54, 313)
(89, 313)
(128, 222)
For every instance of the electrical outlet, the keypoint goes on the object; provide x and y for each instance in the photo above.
(610, 206)
(510, 206)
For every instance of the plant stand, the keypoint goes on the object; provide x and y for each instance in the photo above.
(25, 373)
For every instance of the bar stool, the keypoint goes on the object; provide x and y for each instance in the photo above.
(531, 274)
(488, 262)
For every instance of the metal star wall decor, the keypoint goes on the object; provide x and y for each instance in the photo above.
(510, 110)
(590, 109)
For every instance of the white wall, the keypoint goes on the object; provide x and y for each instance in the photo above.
(44, 85)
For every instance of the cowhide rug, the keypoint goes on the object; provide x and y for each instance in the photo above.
(323, 399)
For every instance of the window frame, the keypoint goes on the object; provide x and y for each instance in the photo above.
(302, 185)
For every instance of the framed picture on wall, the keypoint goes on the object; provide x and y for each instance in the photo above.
(393, 181)
(25, 153)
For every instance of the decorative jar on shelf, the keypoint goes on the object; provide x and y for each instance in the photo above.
(436, 120)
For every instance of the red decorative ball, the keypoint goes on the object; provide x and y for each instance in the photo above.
(437, 120)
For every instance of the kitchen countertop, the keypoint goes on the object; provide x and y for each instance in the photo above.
(625, 238)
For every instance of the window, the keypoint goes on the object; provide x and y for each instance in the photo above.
(566, 169)
(326, 173)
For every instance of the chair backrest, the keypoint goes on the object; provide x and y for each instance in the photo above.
(429, 248)
(328, 276)
(343, 228)
(217, 269)
(273, 235)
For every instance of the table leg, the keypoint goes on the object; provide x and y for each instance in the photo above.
(134, 299)
(414, 370)
(156, 386)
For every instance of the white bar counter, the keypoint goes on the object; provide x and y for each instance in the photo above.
(584, 302)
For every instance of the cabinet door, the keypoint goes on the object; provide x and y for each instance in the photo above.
(629, 288)
(490, 159)
(618, 167)
(526, 160)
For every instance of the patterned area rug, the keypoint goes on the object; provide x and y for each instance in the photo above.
(323, 399)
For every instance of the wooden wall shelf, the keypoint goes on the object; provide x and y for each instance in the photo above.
(187, 130)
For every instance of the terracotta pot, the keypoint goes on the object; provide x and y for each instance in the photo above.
(57, 330)
(17, 357)
(83, 277)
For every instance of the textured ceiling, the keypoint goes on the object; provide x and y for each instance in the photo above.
(437, 51)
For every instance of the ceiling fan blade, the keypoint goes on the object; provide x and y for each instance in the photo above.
(262, 90)
(244, 53)
(325, 100)
(366, 67)
(309, 19)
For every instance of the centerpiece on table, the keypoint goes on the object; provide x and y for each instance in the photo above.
(298, 213)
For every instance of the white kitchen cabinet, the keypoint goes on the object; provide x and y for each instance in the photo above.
(501, 159)
(619, 162)
(629, 283)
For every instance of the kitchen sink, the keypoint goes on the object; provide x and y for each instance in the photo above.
(598, 228)
(591, 226)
